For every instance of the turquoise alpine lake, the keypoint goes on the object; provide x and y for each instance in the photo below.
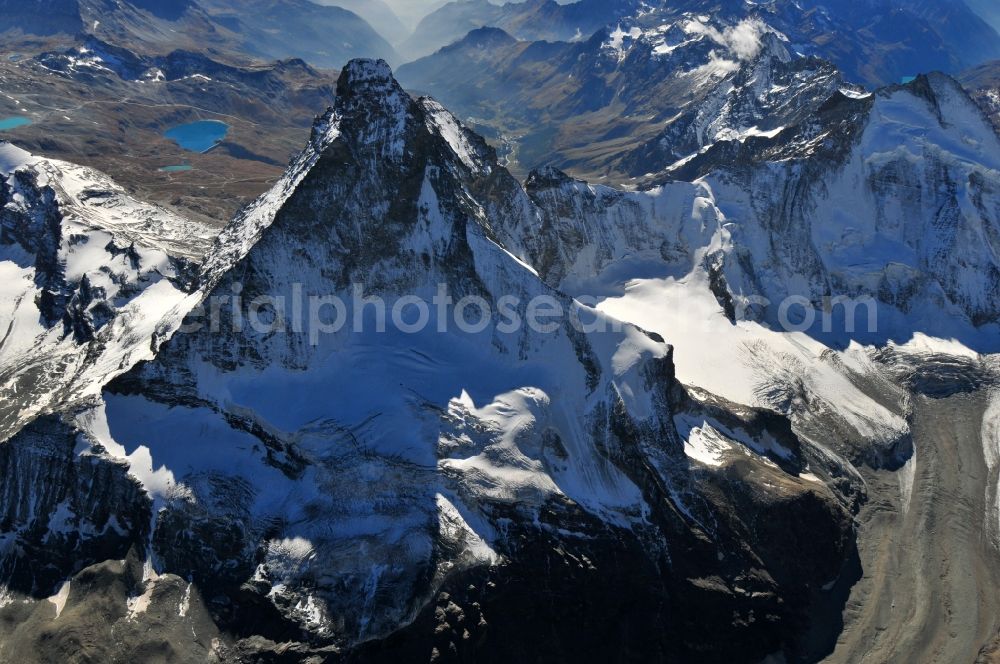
(200, 136)
(175, 169)
(14, 122)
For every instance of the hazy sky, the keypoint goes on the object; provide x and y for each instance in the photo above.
(411, 11)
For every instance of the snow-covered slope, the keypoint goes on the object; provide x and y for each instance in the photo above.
(92, 279)
(889, 202)
(901, 205)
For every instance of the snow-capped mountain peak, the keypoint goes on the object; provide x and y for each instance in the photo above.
(355, 472)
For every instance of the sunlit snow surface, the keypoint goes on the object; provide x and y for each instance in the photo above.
(872, 229)
(123, 248)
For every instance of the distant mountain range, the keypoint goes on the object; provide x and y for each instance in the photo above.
(634, 100)
(325, 36)
(531, 20)
(378, 14)
(626, 104)
(411, 12)
(872, 41)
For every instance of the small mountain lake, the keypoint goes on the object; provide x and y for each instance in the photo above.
(179, 168)
(14, 122)
(200, 136)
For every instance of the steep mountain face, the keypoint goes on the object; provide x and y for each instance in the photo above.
(952, 156)
(444, 473)
(93, 281)
(769, 92)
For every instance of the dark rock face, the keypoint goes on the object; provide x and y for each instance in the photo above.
(38, 230)
(534, 608)
(62, 512)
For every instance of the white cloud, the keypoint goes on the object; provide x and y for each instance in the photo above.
(716, 66)
(742, 40)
